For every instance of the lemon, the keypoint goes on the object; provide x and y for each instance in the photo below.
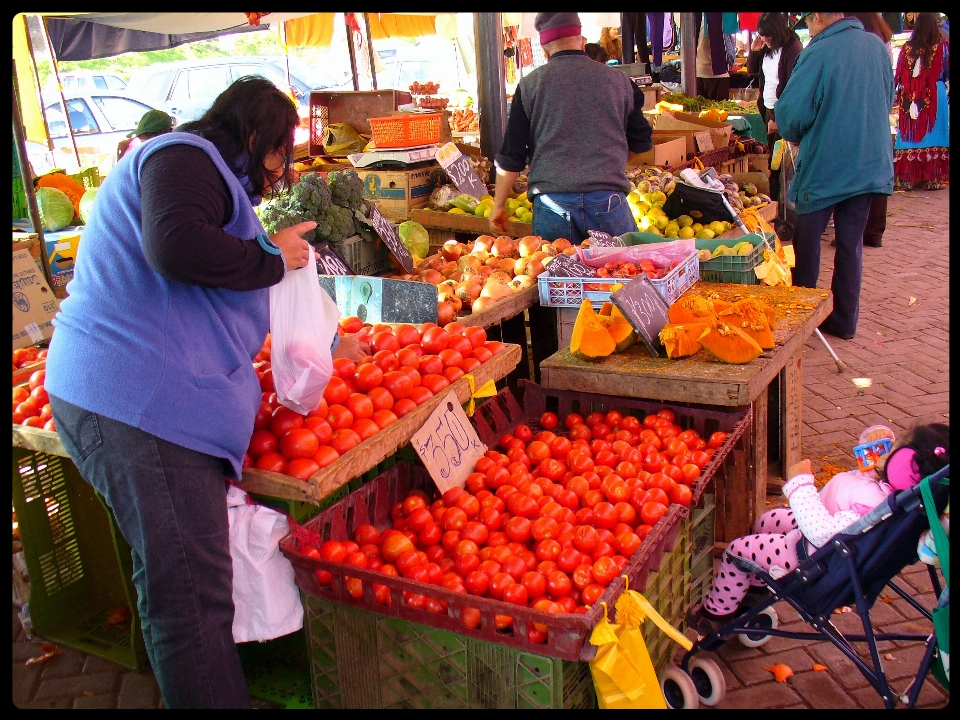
(487, 211)
(527, 217)
(696, 227)
(520, 211)
(486, 196)
(686, 232)
(661, 222)
(658, 197)
(643, 207)
(522, 196)
(478, 211)
(654, 230)
(717, 227)
(685, 221)
(704, 234)
(512, 205)
(456, 211)
(673, 227)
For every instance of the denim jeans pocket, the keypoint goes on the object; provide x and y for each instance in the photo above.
(616, 220)
(551, 220)
(80, 428)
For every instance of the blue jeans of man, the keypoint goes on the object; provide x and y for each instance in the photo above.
(170, 505)
(570, 215)
(849, 219)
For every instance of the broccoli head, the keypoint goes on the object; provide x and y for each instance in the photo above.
(335, 224)
(346, 189)
(307, 200)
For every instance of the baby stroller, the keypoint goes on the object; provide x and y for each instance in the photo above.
(851, 569)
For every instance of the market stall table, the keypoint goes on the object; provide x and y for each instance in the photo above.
(772, 385)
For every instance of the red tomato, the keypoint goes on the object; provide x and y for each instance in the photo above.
(337, 391)
(494, 346)
(283, 420)
(548, 421)
(299, 443)
(430, 365)
(271, 461)
(384, 340)
(431, 535)
(434, 340)
(605, 571)
(435, 384)
(262, 441)
(452, 374)
(681, 494)
(386, 360)
(398, 384)
(325, 456)
(359, 405)
(628, 543)
(338, 416)
(450, 357)
(402, 407)
(651, 512)
(367, 377)
(301, 468)
(476, 335)
(498, 583)
(523, 432)
(716, 440)
(365, 428)
(383, 418)
(476, 583)
(585, 539)
(406, 335)
(613, 418)
(344, 440)
(408, 357)
(558, 584)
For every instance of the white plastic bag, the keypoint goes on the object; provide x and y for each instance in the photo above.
(303, 321)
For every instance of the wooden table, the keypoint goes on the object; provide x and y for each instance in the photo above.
(772, 385)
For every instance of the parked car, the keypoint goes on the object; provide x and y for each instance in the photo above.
(428, 60)
(99, 122)
(186, 89)
(80, 81)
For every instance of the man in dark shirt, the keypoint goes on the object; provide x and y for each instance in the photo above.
(576, 123)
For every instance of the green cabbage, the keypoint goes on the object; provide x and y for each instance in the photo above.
(415, 237)
(56, 209)
(86, 204)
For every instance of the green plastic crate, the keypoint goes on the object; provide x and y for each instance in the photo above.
(20, 209)
(80, 567)
(701, 548)
(278, 671)
(737, 269)
(361, 659)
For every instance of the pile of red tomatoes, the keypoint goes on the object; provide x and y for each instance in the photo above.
(28, 356)
(548, 521)
(31, 404)
(408, 366)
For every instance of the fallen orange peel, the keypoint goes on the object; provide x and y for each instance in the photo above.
(819, 668)
(780, 672)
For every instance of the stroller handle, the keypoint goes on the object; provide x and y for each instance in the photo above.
(908, 499)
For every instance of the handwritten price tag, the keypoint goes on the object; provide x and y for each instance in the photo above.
(388, 233)
(644, 306)
(569, 266)
(329, 261)
(448, 445)
(602, 239)
(459, 170)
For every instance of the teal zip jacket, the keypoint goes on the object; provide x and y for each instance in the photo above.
(836, 105)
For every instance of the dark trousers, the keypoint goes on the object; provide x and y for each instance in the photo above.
(714, 88)
(771, 139)
(170, 504)
(633, 32)
(876, 221)
(850, 218)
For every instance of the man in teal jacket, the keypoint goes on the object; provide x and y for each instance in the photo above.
(836, 105)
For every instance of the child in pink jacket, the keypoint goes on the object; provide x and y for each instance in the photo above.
(818, 516)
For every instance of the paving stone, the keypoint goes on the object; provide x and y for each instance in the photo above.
(25, 680)
(67, 664)
(821, 690)
(138, 691)
(761, 697)
(97, 702)
(75, 686)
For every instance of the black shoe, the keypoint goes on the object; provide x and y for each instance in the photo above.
(755, 596)
(873, 243)
(829, 330)
(705, 622)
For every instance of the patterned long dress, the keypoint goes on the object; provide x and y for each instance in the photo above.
(922, 149)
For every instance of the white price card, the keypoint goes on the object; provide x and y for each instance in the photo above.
(448, 445)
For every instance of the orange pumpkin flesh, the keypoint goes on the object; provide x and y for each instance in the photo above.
(681, 340)
(730, 344)
(590, 340)
(752, 317)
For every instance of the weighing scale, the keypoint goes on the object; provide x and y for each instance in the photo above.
(394, 157)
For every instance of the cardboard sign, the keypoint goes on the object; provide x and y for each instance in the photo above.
(388, 233)
(704, 140)
(569, 266)
(602, 239)
(330, 262)
(644, 306)
(459, 170)
(448, 445)
(382, 300)
(34, 304)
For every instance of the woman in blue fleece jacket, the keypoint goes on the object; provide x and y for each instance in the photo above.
(149, 372)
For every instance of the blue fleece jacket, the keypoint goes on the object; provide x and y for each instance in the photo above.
(836, 105)
(171, 359)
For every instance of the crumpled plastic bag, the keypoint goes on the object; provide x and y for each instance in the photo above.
(440, 199)
(662, 254)
(342, 139)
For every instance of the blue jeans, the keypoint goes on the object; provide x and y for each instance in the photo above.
(850, 219)
(170, 504)
(570, 215)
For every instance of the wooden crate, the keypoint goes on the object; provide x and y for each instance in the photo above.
(465, 223)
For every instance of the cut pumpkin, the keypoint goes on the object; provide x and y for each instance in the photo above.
(752, 316)
(590, 339)
(730, 344)
(681, 340)
(606, 309)
(691, 308)
(622, 333)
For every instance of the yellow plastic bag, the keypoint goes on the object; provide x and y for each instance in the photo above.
(623, 673)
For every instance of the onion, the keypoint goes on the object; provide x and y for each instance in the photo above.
(534, 268)
(445, 313)
(504, 246)
(561, 244)
(529, 245)
(452, 250)
(481, 303)
(484, 242)
(519, 265)
(506, 264)
(469, 261)
(434, 277)
(522, 282)
(468, 291)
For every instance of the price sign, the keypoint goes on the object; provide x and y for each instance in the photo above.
(602, 239)
(388, 233)
(448, 445)
(644, 306)
(569, 266)
(704, 141)
(330, 262)
(458, 168)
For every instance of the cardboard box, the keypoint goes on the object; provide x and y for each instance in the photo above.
(61, 251)
(396, 192)
(689, 142)
(34, 304)
(665, 153)
(720, 131)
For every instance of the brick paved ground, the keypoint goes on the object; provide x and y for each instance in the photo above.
(902, 345)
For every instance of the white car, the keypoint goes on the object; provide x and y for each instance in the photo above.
(99, 121)
(83, 81)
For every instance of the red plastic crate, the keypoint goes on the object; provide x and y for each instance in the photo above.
(567, 634)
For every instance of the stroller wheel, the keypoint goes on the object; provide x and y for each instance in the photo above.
(767, 619)
(708, 680)
(678, 689)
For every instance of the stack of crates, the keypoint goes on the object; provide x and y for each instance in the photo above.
(701, 539)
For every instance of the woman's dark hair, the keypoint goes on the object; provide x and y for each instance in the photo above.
(595, 52)
(774, 26)
(248, 121)
(925, 439)
(926, 34)
(873, 22)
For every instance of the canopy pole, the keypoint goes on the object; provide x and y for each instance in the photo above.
(373, 67)
(353, 54)
(688, 54)
(488, 34)
(36, 77)
(26, 176)
(63, 99)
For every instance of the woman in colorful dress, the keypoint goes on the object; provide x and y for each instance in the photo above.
(921, 155)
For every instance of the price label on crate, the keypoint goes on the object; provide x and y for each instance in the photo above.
(388, 233)
(448, 445)
(330, 262)
(704, 141)
(458, 168)
(644, 306)
(602, 239)
(569, 266)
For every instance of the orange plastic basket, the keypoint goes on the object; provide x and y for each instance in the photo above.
(406, 130)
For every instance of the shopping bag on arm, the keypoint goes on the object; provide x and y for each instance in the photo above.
(303, 322)
(941, 614)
